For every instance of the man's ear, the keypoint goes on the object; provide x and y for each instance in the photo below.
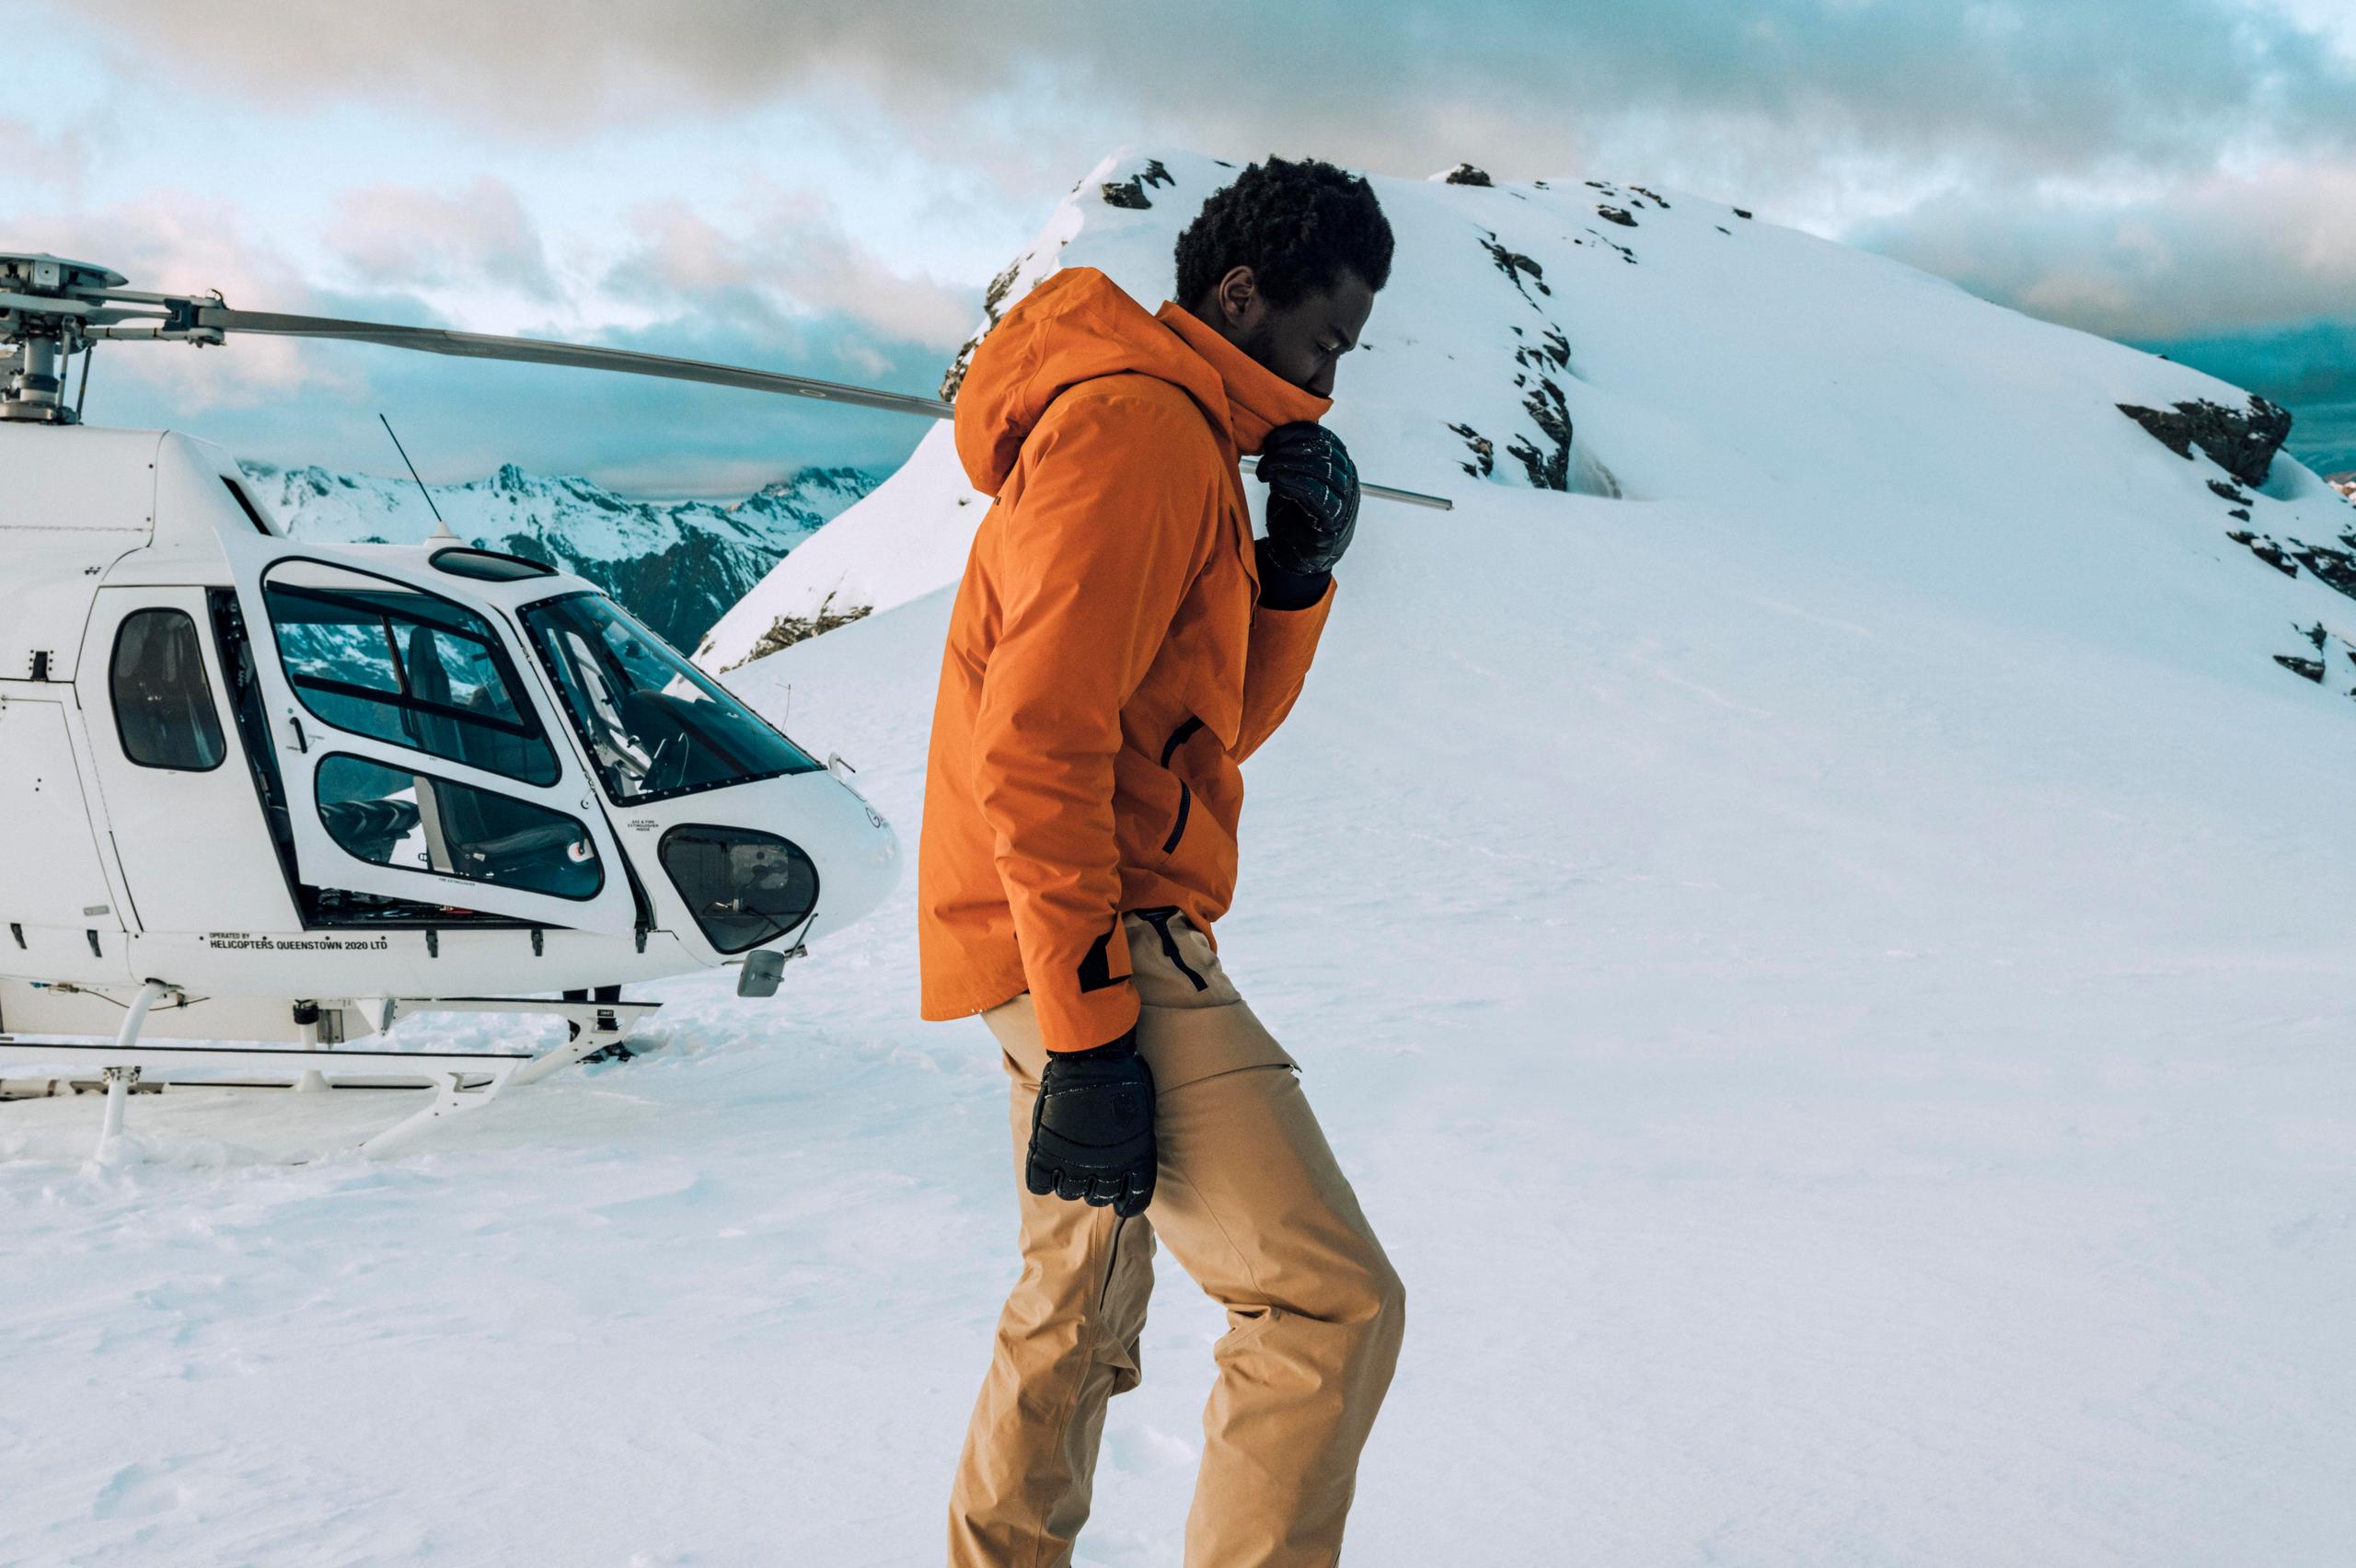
(1236, 295)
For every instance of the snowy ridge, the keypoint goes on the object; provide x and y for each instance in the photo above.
(677, 565)
(1624, 341)
(903, 545)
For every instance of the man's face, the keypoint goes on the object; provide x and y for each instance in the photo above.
(1302, 342)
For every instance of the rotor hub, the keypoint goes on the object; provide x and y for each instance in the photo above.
(39, 273)
(46, 303)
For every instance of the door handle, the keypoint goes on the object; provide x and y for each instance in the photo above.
(301, 742)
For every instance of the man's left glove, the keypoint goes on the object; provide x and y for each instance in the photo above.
(1312, 497)
(1091, 1128)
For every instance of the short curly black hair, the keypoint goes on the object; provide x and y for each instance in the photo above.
(1296, 226)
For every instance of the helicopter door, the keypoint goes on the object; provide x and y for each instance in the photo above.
(419, 757)
(178, 806)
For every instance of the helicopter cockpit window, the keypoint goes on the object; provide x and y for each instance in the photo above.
(382, 659)
(656, 724)
(163, 703)
(418, 823)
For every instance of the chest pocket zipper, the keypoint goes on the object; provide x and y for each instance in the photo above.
(1160, 918)
(1179, 737)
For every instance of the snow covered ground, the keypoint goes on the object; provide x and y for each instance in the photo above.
(1831, 979)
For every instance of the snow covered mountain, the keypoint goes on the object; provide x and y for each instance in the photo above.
(1810, 912)
(1580, 336)
(677, 565)
(1628, 342)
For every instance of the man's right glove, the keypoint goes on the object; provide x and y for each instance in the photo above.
(1312, 497)
(1091, 1128)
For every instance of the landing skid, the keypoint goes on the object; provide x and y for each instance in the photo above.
(462, 1081)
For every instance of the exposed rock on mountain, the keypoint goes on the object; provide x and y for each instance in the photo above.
(1130, 192)
(2243, 443)
(786, 631)
(1549, 466)
(1485, 452)
(1514, 265)
(994, 301)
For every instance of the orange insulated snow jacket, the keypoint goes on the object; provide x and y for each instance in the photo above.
(1108, 663)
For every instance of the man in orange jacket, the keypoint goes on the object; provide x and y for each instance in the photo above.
(1119, 644)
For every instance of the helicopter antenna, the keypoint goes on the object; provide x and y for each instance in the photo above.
(444, 527)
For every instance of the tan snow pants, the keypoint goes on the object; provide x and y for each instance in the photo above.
(1251, 1203)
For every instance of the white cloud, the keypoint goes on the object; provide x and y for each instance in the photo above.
(399, 236)
(178, 243)
(2220, 252)
(785, 254)
(45, 155)
(1514, 85)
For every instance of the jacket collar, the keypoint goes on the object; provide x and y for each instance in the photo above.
(1258, 399)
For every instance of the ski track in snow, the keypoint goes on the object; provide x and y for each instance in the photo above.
(1841, 1020)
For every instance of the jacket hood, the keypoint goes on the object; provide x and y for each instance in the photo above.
(1079, 325)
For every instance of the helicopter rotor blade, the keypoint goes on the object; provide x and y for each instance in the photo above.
(584, 356)
(1413, 498)
(579, 356)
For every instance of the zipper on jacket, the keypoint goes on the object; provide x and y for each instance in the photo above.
(1178, 829)
(1178, 737)
(1159, 920)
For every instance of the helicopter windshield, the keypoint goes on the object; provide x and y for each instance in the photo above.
(655, 724)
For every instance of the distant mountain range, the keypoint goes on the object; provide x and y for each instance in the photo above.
(677, 566)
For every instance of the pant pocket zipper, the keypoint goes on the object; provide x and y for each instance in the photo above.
(1160, 918)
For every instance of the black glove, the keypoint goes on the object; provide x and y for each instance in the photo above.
(1091, 1128)
(1312, 497)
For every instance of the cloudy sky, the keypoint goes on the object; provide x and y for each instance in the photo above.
(826, 188)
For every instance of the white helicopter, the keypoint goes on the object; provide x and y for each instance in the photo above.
(255, 789)
(260, 789)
